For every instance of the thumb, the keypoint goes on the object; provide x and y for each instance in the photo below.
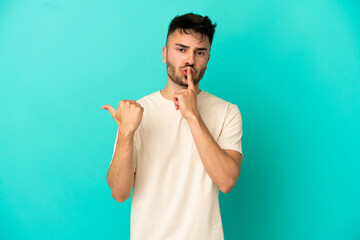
(110, 109)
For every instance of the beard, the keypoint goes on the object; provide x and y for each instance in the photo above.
(179, 79)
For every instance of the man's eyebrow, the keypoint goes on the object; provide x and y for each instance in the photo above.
(184, 46)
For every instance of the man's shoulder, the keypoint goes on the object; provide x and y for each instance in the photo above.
(215, 101)
(149, 97)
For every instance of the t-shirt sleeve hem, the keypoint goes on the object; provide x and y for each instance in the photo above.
(231, 147)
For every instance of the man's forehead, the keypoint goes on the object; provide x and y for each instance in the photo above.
(179, 34)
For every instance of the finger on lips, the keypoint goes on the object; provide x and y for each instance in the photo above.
(189, 79)
(178, 94)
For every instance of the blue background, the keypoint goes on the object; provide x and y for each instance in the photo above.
(292, 67)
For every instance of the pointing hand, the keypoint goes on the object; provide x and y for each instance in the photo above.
(128, 115)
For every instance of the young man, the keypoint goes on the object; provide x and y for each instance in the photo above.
(178, 146)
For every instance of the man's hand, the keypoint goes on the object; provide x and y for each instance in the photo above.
(185, 99)
(128, 115)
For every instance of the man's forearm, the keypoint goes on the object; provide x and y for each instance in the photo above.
(219, 165)
(120, 176)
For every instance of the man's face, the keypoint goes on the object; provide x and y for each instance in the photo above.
(185, 50)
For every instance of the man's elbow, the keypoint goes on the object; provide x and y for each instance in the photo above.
(227, 188)
(119, 197)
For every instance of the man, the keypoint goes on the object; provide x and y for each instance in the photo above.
(178, 146)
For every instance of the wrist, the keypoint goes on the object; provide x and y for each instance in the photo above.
(194, 118)
(125, 134)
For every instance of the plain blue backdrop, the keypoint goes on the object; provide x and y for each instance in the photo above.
(292, 67)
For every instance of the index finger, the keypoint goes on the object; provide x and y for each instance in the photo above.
(190, 80)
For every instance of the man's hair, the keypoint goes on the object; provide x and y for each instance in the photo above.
(194, 22)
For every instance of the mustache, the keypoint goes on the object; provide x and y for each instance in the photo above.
(190, 68)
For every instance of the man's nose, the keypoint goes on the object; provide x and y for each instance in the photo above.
(190, 58)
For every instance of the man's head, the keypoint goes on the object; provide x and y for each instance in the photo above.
(188, 44)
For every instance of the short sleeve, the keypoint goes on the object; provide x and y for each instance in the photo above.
(134, 152)
(231, 132)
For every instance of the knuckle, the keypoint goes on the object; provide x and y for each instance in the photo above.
(123, 102)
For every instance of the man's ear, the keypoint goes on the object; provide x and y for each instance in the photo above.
(164, 54)
(207, 61)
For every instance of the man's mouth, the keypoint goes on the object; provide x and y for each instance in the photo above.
(185, 72)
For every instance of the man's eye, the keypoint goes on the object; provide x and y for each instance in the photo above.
(180, 49)
(201, 53)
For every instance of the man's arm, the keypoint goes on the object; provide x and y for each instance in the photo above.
(120, 176)
(222, 165)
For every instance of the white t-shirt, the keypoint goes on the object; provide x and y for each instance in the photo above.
(173, 196)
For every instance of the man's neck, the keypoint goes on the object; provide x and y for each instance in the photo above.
(172, 87)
